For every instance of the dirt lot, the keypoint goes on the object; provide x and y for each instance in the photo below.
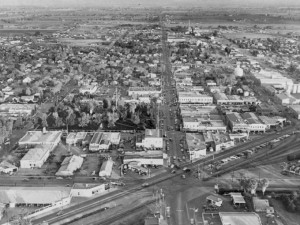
(90, 165)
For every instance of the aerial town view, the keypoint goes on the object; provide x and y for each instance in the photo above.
(137, 112)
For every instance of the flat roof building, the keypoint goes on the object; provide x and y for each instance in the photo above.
(194, 97)
(69, 165)
(240, 218)
(33, 196)
(106, 168)
(36, 157)
(40, 138)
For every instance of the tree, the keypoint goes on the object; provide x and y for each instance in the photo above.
(44, 120)
(28, 91)
(98, 118)
(84, 120)
(252, 185)
(264, 183)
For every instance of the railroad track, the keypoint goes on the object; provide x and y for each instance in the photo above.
(113, 218)
(255, 160)
(91, 203)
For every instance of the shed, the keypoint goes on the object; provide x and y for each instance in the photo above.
(260, 205)
(237, 198)
(214, 200)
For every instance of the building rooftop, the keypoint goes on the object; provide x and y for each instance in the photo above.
(240, 218)
(84, 186)
(191, 94)
(96, 138)
(153, 133)
(143, 89)
(37, 153)
(296, 108)
(251, 118)
(40, 137)
(33, 195)
(70, 164)
(235, 118)
(195, 141)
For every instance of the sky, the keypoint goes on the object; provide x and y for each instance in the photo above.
(146, 3)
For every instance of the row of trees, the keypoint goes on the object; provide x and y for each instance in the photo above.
(93, 114)
(249, 185)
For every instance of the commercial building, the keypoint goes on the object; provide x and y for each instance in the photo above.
(194, 97)
(41, 138)
(255, 124)
(36, 157)
(106, 168)
(144, 158)
(88, 190)
(140, 91)
(223, 99)
(6, 167)
(238, 218)
(105, 142)
(75, 138)
(152, 140)
(236, 123)
(217, 141)
(295, 109)
(274, 78)
(35, 196)
(69, 165)
(199, 123)
(95, 142)
(283, 99)
(14, 110)
(196, 145)
(272, 121)
(115, 138)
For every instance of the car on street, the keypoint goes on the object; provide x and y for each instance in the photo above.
(59, 213)
(145, 184)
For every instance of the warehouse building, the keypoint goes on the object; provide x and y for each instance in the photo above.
(36, 157)
(106, 168)
(35, 196)
(69, 165)
(41, 138)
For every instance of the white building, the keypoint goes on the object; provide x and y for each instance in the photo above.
(33, 196)
(255, 125)
(140, 91)
(194, 97)
(95, 142)
(13, 110)
(223, 99)
(69, 165)
(106, 168)
(236, 123)
(144, 158)
(152, 140)
(75, 138)
(105, 141)
(88, 89)
(88, 190)
(41, 138)
(6, 167)
(199, 124)
(196, 146)
(36, 157)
